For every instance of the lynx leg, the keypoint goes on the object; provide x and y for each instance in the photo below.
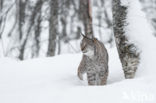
(103, 77)
(91, 78)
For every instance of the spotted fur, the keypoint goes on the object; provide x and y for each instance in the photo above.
(94, 61)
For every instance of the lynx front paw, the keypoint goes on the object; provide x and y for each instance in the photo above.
(80, 76)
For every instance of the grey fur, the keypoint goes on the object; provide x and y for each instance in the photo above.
(94, 64)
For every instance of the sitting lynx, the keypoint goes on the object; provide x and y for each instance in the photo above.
(94, 61)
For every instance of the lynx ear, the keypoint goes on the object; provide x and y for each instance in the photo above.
(88, 37)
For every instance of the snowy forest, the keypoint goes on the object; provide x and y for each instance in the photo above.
(54, 51)
(39, 28)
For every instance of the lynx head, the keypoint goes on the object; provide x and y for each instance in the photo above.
(87, 46)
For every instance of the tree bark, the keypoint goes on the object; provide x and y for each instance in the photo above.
(38, 30)
(21, 16)
(86, 16)
(1, 7)
(127, 51)
(53, 27)
(1, 19)
(36, 8)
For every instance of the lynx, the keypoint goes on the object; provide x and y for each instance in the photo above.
(94, 61)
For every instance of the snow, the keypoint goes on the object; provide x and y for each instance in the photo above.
(54, 80)
(138, 29)
(125, 2)
(140, 33)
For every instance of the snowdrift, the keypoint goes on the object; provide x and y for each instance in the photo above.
(54, 80)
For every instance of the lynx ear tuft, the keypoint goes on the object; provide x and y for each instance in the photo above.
(83, 35)
(90, 37)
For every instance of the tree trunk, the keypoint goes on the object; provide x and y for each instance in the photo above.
(127, 51)
(21, 16)
(1, 19)
(154, 19)
(36, 8)
(64, 25)
(86, 16)
(53, 26)
(37, 30)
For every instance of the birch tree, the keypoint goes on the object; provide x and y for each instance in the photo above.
(53, 27)
(127, 50)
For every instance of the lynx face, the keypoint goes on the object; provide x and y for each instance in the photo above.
(87, 47)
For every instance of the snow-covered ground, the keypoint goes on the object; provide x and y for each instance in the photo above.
(54, 80)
